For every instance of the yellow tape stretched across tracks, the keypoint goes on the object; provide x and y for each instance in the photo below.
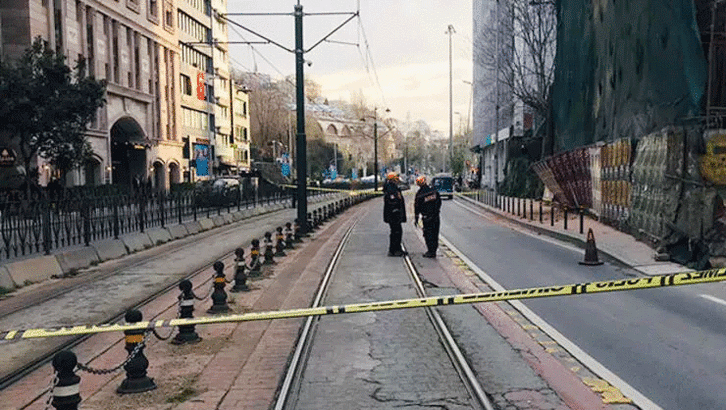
(676, 279)
(349, 191)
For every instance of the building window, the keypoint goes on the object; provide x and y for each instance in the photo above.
(186, 84)
(154, 10)
(168, 16)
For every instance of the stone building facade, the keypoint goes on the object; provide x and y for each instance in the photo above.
(157, 60)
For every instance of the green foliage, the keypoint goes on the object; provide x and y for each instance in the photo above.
(46, 107)
(520, 181)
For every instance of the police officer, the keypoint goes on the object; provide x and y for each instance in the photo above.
(394, 213)
(428, 205)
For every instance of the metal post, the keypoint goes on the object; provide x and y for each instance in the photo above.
(450, 31)
(375, 149)
(301, 152)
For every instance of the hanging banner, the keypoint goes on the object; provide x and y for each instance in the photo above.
(201, 159)
(200, 86)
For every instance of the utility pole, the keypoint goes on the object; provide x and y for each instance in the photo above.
(496, 106)
(375, 149)
(450, 31)
(299, 51)
(302, 199)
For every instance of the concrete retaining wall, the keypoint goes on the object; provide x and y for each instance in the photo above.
(178, 231)
(206, 224)
(76, 259)
(159, 235)
(33, 270)
(193, 227)
(137, 242)
(110, 249)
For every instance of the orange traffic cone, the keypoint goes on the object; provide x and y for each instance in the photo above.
(591, 258)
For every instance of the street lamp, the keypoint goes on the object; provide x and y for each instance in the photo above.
(375, 146)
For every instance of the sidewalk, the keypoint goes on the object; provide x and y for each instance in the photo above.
(610, 242)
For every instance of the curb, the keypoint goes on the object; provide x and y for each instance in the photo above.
(557, 235)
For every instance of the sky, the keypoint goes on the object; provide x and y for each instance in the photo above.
(400, 62)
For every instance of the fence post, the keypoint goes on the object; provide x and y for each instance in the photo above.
(86, 222)
(178, 205)
(142, 209)
(116, 227)
(162, 199)
(540, 211)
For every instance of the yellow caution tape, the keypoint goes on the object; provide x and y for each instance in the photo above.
(350, 191)
(676, 279)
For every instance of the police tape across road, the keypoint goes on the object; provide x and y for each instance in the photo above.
(350, 191)
(676, 279)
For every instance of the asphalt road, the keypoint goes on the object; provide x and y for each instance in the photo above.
(666, 343)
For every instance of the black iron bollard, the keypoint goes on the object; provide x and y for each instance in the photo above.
(136, 380)
(296, 232)
(269, 252)
(240, 278)
(582, 220)
(280, 242)
(310, 222)
(289, 237)
(186, 334)
(66, 392)
(255, 262)
(219, 296)
(565, 213)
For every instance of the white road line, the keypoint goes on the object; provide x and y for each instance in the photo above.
(596, 367)
(713, 299)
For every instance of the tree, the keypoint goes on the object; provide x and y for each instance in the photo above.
(524, 63)
(46, 108)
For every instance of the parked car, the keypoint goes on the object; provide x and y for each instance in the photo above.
(444, 183)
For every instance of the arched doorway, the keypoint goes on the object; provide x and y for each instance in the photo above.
(128, 152)
(159, 174)
(174, 174)
(92, 172)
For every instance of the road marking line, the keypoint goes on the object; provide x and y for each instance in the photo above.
(589, 362)
(713, 299)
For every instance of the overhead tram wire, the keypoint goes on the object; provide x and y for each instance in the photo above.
(370, 58)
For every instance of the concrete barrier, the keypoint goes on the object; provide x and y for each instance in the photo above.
(75, 259)
(159, 235)
(247, 213)
(178, 231)
(34, 270)
(228, 218)
(219, 221)
(110, 249)
(206, 224)
(193, 227)
(237, 216)
(137, 242)
(6, 281)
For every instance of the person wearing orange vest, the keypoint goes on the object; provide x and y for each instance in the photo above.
(428, 205)
(394, 213)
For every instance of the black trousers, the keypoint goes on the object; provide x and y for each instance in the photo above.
(431, 232)
(395, 237)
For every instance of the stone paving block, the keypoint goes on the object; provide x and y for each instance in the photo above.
(159, 236)
(193, 227)
(178, 231)
(75, 259)
(206, 224)
(108, 249)
(137, 242)
(34, 270)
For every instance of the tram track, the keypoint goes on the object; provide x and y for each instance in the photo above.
(293, 374)
(134, 262)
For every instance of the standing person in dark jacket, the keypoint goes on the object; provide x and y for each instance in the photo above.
(394, 213)
(428, 205)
